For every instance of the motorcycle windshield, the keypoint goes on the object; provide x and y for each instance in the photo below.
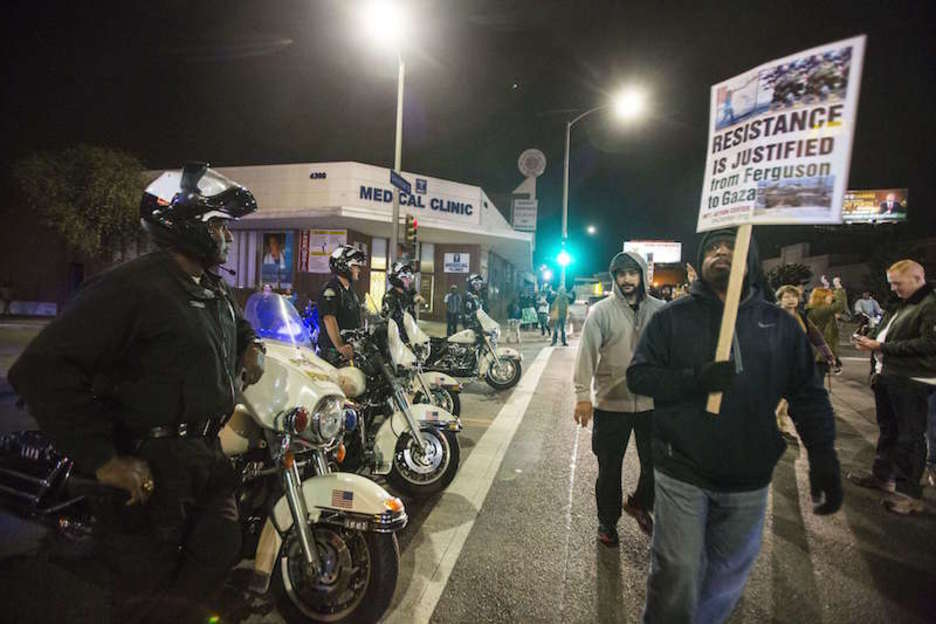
(274, 317)
(400, 354)
(487, 323)
(415, 334)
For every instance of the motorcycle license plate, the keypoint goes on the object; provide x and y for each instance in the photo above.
(355, 525)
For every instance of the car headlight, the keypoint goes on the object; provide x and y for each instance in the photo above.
(328, 420)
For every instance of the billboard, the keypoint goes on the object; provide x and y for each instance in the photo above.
(780, 139)
(875, 206)
(656, 251)
(276, 266)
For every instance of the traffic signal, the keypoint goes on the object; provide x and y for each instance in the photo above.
(411, 229)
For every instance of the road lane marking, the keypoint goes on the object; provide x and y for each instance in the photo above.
(568, 523)
(438, 544)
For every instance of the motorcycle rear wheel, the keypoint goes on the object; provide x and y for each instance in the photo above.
(420, 476)
(357, 585)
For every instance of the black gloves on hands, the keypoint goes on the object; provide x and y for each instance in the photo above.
(716, 376)
(825, 482)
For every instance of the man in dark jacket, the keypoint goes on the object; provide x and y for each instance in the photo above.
(904, 375)
(453, 309)
(713, 471)
(133, 382)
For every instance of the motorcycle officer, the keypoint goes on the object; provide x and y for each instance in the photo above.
(474, 288)
(401, 297)
(133, 382)
(339, 306)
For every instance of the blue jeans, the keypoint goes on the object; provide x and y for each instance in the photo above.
(704, 544)
(559, 327)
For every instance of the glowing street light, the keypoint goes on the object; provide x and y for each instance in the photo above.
(591, 230)
(564, 260)
(547, 275)
(384, 23)
(628, 105)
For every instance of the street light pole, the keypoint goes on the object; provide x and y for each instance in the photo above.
(565, 195)
(397, 165)
(565, 182)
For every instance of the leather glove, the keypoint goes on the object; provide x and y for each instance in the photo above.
(825, 482)
(716, 376)
(253, 364)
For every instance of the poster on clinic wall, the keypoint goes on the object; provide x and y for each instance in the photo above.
(315, 247)
(276, 263)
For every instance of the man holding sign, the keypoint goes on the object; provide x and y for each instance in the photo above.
(713, 471)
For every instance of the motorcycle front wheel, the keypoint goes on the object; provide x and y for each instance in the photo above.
(503, 374)
(421, 474)
(444, 398)
(356, 584)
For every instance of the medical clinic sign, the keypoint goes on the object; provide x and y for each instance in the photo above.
(780, 139)
(367, 186)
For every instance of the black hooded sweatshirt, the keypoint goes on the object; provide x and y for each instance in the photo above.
(737, 449)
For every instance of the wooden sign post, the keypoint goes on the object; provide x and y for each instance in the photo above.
(730, 313)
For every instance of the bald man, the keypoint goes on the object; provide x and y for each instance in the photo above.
(904, 353)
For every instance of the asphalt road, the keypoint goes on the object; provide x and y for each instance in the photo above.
(513, 540)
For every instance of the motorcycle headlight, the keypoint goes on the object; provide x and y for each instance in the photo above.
(328, 420)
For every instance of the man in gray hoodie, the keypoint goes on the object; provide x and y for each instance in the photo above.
(609, 338)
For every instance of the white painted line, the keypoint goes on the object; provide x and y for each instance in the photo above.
(866, 359)
(568, 524)
(440, 540)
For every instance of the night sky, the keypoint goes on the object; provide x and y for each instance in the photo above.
(277, 81)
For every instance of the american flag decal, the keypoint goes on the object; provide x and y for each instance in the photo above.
(342, 499)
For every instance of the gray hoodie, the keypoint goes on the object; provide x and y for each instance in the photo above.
(609, 338)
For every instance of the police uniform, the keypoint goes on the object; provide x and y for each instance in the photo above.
(143, 363)
(472, 305)
(395, 303)
(345, 305)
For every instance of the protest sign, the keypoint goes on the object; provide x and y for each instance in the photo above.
(779, 149)
(780, 139)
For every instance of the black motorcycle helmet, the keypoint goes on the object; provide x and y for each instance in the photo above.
(343, 258)
(475, 283)
(401, 275)
(177, 206)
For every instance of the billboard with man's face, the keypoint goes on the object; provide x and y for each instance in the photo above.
(276, 265)
(875, 206)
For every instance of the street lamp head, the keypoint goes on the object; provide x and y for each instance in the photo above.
(629, 103)
(564, 259)
(547, 275)
(384, 23)
(591, 230)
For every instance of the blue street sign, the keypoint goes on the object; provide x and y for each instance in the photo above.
(400, 182)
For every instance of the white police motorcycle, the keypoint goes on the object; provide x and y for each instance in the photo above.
(473, 353)
(326, 541)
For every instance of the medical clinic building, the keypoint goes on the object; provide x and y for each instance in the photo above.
(306, 210)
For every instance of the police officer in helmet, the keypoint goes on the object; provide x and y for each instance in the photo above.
(339, 306)
(133, 382)
(474, 293)
(401, 296)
